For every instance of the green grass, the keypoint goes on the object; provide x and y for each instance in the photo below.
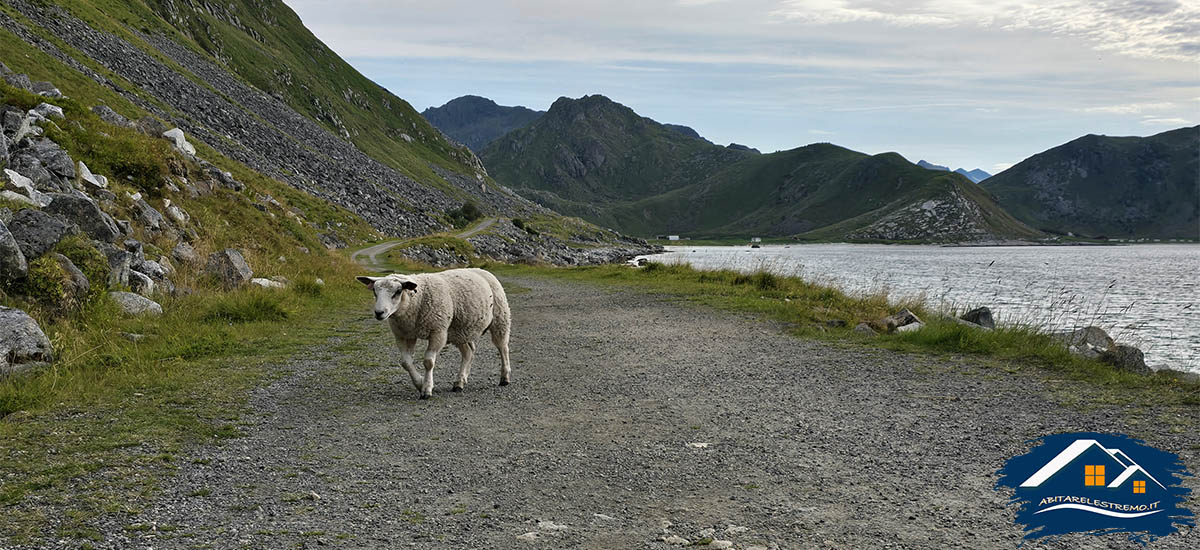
(817, 311)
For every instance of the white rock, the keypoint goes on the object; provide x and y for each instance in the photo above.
(87, 175)
(910, 327)
(676, 540)
(551, 526)
(320, 281)
(24, 186)
(604, 517)
(705, 533)
(528, 537)
(735, 529)
(698, 445)
(135, 305)
(181, 142)
(721, 544)
(47, 110)
(266, 283)
(17, 197)
(175, 212)
(23, 129)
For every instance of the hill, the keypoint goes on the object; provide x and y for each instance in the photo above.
(598, 159)
(1115, 187)
(477, 121)
(588, 153)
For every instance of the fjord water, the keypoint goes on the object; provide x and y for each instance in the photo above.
(1144, 295)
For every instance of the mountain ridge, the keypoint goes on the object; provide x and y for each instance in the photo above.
(476, 121)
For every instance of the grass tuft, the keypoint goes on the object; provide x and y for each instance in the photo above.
(247, 307)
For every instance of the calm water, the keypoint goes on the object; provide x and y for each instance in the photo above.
(1144, 295)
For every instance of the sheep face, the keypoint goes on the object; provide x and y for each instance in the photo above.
(393, 294)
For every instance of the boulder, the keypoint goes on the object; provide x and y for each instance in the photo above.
(1088, 341)
(229, 268)
(267, 283)
(150, 218)
(184, 254)
(18, 80)
(17, 197)
(46, 89)
(3, 150)
(177, 214)
(150, 126)
(981, 316)
(48, 111)
(37, 232)
(132, 304)
(110, 116)
(12, 261)
(141, 283)
(16, 126)
(119, 265)
(964, 323)
(152, 268)
(134, 247)
(899, 319)
(53, 157)
(911, 327)
(87, 176)
(1126, 358)
(24, 186)
(76, 285)
(181, 143)
(86, 214)
(23, 345)
(865, 330)
(43, 180)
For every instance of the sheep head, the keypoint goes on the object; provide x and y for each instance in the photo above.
(393, 293)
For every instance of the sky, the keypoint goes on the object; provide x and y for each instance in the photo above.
(965, 83)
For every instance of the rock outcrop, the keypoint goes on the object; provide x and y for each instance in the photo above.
(23, 345)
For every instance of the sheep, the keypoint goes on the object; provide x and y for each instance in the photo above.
(455, 306)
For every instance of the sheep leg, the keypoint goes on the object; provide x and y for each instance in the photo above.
(437, 341)
(406, 357)
(500, 339)
(468, 352)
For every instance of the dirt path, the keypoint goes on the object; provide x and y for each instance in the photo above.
(369, 256)
(631, 418)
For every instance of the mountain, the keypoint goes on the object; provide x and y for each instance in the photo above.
(477, 121)
(1114, 187)
(599, 160)
(589, 152)
(260, 98)
(975, 175)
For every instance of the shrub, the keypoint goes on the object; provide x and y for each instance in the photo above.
(519, 223)
(247, 307)
(87, 258)
(464, 214)
(45, 283)
(307, 287)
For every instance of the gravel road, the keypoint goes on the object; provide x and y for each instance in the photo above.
(631, 419)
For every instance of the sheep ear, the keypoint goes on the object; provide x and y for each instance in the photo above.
(369, 281)
(409, 285)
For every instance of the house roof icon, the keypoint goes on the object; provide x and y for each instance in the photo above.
(1077, 448)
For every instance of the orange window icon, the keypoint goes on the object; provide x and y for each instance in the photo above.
(1139, 486)
(1093, 476)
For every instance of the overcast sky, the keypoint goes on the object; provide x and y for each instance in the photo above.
(967, 83)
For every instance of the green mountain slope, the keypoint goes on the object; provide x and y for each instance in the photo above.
(1116, 187)
(477, 121)
(587, 153)
(599, 160)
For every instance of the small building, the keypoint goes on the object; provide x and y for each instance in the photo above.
(672, 237)
(756, 239)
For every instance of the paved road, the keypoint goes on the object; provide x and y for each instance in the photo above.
(631, 419)
(369, 256)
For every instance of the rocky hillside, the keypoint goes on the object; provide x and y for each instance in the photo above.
(477, 121)
(1114, 187)
(586, 155)
(599, 160)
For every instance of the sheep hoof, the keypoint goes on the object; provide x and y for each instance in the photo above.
(504, 382)
(423, 396)
(456, 388)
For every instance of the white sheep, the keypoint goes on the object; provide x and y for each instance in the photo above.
(454, 306)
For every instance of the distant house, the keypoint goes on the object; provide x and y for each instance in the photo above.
(672, 237)
(756, 239)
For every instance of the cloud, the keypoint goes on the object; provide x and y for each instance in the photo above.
(1169, 121)
(1162, 29)
(1129, 108)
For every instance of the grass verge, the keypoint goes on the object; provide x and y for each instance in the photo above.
(817, 311)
